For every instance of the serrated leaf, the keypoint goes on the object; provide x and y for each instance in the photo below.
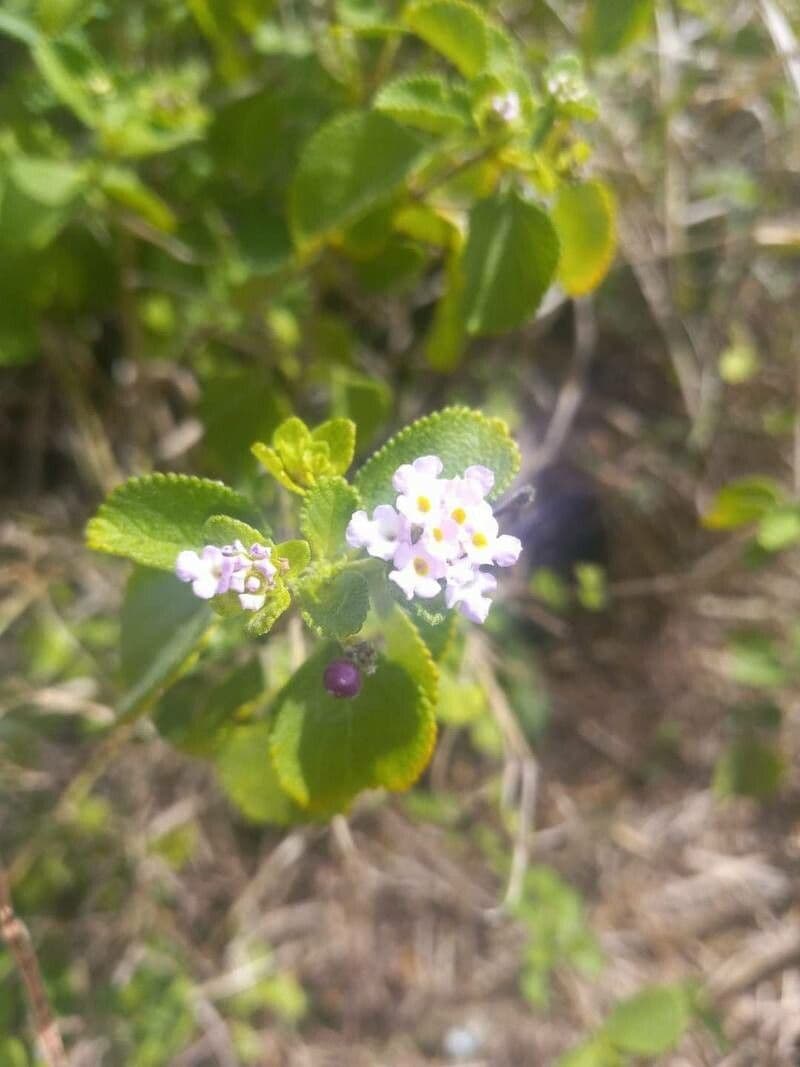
(611, 25)
(459, 436)
(742, 502)
(403, 644)
(424, 101)
(336, 607)
(326, 750)
(650, 1023)
(223, 530)
(509, 261)
(151, 519)
(454, 28)
(340, 437)
(585, 220)
(262, 621)
(246, 774)
(349, 166)
(327, 509)
(156, 608)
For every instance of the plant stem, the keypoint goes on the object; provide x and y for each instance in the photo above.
(17, 939)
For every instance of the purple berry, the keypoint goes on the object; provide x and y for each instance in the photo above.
(342, 678)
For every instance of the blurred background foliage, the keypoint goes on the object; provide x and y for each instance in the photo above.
(215, 214)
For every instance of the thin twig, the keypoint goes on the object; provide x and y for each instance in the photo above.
(571, 394)
(521, 765)
(17, 938)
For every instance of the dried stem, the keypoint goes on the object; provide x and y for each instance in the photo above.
(17, 940)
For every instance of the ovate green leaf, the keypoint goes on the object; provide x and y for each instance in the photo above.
(741, 502)
(509, 262)
(424, 101)
(613, 24)
(349, 166)
(326, 750)
(454, 28)
(459, 436)
(326, 512)
(156, 607)
(584, 217)
(246, 774)
(336, 607)
(650, 1023)
(223, 530)
(151, 519)
(340, 437)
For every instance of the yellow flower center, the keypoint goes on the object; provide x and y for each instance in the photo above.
(420, 566)
(458, 515)
(423, 503)
(438, 535)
(480, 540)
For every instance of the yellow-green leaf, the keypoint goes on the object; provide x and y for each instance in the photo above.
(585, 220)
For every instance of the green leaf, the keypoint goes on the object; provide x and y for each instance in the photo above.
(650, 1023)
(56, 16)
(197, 716)
(460, 436)
(611, 25)
(151, 519)
(54, 182)
(404, 645)
(741, 502)
(246, 774)
(273, 464)
(336, 607)
(156, 606)
(424, 101)
(755, 660)
(54, 68)
(326, 511)
(162, 626)
(749, 768)
(223, 530)
(126, 187)
(326, 750)
(367, 401)
(444, 345)
(19, 28)
(585, 220)
(779, 528)
(349, 166)
(454, 28)
(509, 261)
(340, 437)
(291, 557)
(595, 1053)
(261, 622)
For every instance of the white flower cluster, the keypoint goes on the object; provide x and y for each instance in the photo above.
(230, 569)
(440, 530)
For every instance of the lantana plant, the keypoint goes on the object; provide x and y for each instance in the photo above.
(383, 562)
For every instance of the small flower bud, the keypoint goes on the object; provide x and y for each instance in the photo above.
(342, 678)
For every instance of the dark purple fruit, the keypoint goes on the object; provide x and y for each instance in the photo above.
(342, 678)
